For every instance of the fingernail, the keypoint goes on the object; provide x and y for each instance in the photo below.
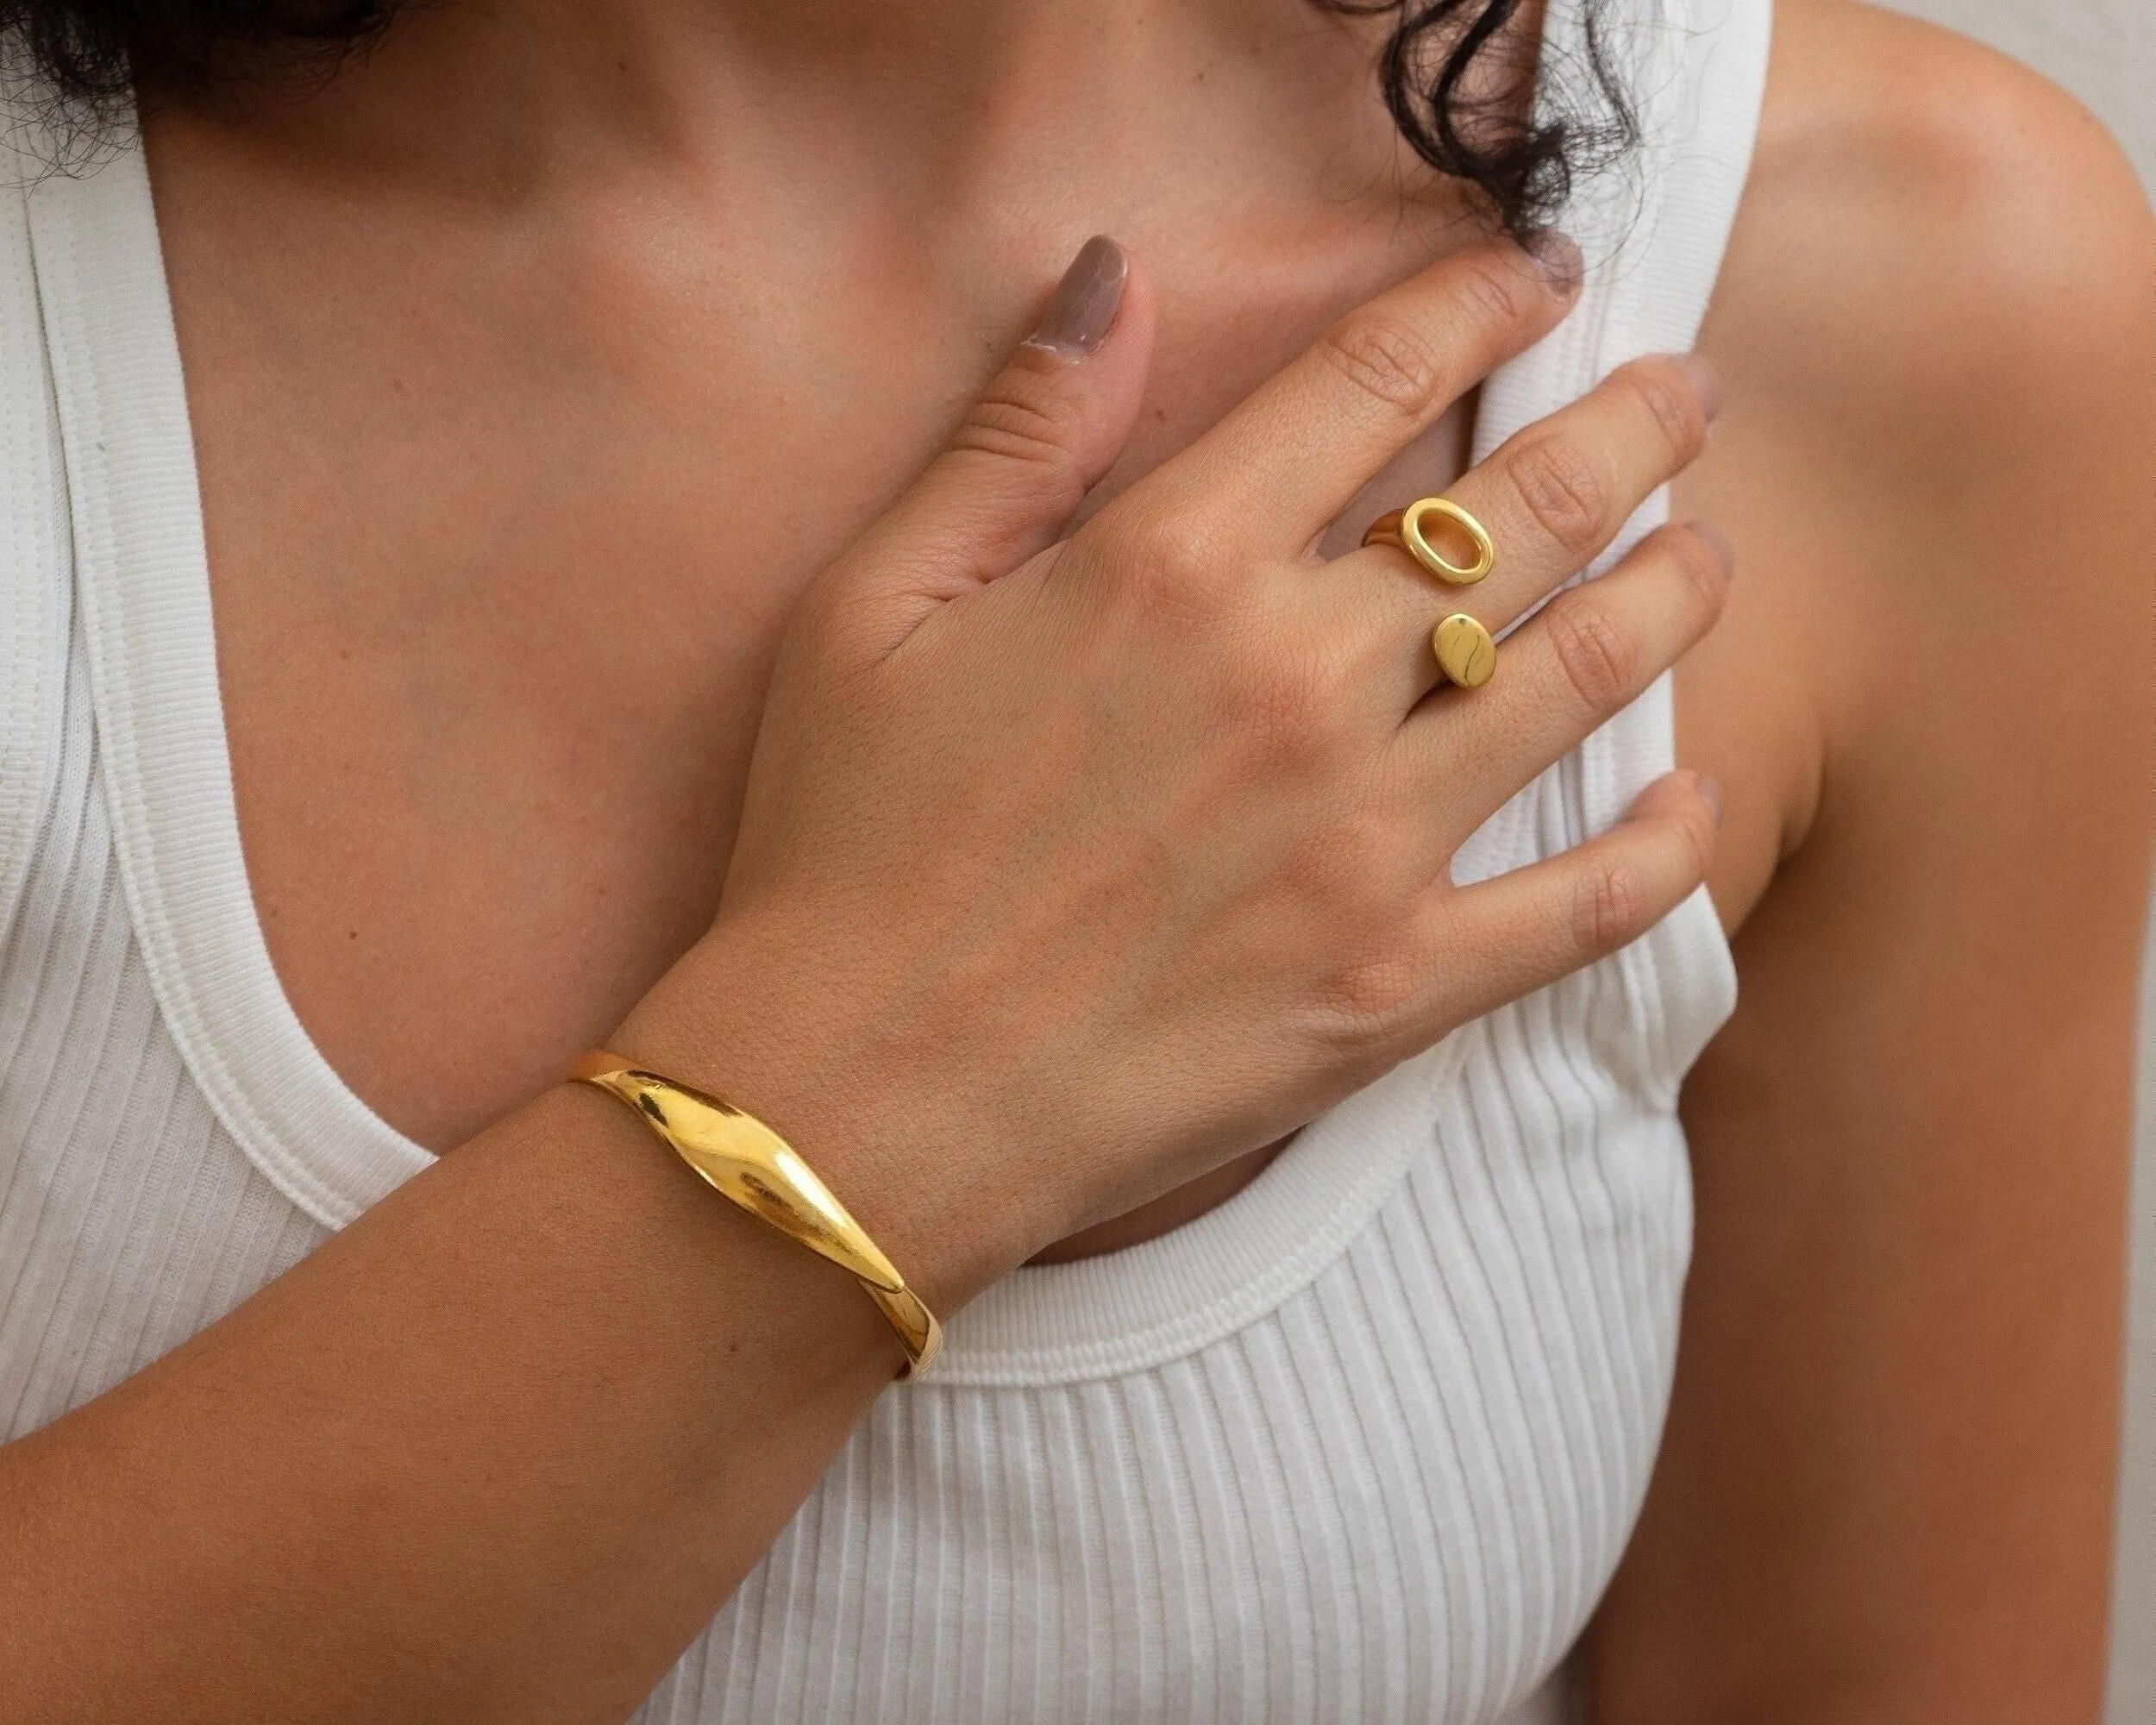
(1705, 379)
(1714, 536)
(1710, 790)
(1084, 308)
(1556, 254)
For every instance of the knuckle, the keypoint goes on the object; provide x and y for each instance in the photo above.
(1668, 400)
(1698, 831)
(1179, 540)
(1492, 293)
(1168, 560)
(1390, 361)
(1024, 420)
(1565, 491)
(1373, 981)
(1367, 1002)
(1599, 660)
(1608, 906)
(1699, 565)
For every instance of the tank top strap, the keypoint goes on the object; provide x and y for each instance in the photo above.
(1653, 227)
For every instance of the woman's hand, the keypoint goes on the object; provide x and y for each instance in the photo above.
(1072, 868)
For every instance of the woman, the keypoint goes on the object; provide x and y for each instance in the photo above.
(542, 534)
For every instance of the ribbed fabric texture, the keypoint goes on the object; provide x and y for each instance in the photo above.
(1362, 1445)
(127, 1221)
(1394, 1497)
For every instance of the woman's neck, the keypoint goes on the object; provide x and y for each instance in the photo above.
(908, 103)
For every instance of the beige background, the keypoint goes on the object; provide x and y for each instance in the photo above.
(2104, 51)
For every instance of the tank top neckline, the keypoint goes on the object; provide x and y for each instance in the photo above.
(142, 578)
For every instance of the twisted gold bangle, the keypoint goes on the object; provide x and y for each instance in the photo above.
(742, 1159)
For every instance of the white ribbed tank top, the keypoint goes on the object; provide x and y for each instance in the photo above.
(1362, 1445)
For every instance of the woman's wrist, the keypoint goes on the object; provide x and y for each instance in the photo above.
(874, 1118)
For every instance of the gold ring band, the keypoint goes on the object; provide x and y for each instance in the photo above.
(1465, 652)
(1404, 527)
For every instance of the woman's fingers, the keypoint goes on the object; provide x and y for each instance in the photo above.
(1552, 497)
(1555, 494)
(1282, 465)
(1588, 653)
(1020, 462)
(1494, 942)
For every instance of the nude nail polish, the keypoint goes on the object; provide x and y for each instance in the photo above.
(1719, 541)
(1706, 379)
(1558, 256)
(1087, 300)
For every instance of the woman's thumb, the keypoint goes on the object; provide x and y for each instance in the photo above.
(1036, 441)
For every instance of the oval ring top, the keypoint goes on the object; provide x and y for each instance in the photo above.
(1403, 528)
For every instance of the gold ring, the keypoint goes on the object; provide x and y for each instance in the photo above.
(1403, 528)
(1465, 653)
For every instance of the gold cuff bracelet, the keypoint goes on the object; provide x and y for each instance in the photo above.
(742, 1159)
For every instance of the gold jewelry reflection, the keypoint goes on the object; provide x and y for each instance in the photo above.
(1406, 529)
(1465, 652)
(742, 1159)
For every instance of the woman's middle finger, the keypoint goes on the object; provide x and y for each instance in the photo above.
(1587, 655)
(1551, 497)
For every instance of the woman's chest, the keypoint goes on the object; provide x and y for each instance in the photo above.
(498, 568)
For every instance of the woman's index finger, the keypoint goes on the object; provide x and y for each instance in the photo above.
(1287, 460)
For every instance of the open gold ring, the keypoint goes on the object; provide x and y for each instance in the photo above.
(1405, 528)
(1465, 652)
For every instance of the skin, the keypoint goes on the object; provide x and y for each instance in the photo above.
(565, 251)
(1886, 1491)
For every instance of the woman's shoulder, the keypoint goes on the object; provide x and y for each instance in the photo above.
(1929, 700)
(1920, 203)
(1934, 324)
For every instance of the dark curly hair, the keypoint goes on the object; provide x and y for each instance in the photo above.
(1523, 169)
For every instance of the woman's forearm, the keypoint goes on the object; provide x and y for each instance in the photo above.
(495, 1452)
(498, 1449)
